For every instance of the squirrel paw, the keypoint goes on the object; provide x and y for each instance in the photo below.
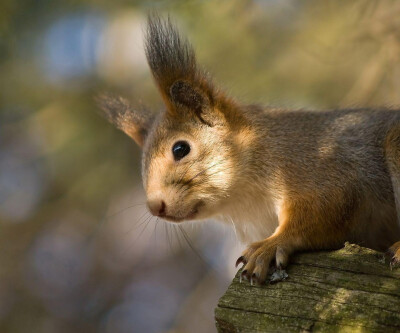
(258, 258)
(394, 253)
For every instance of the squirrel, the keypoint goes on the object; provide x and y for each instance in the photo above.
(289, 180)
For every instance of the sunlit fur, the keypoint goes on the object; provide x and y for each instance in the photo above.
(286, 180)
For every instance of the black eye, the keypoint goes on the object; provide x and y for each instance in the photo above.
(180, 149)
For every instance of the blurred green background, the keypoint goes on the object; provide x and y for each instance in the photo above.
(78, 252)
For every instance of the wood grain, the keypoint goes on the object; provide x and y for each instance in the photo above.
(349, 290)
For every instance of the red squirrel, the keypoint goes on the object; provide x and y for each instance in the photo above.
(288, 180)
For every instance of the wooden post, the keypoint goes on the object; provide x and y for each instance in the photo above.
(349, 290)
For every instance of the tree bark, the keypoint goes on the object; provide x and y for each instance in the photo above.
(349, 290)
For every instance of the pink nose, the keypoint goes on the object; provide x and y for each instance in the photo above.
(157, 207)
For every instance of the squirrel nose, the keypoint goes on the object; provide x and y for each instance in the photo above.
(157, 207)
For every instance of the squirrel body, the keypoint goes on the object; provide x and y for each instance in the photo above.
(333, 164)
(287, 180)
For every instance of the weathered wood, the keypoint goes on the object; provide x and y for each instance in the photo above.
(349, 290)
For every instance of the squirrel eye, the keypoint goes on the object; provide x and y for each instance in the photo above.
(180, 149)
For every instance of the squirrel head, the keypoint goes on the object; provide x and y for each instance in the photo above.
(191, 150)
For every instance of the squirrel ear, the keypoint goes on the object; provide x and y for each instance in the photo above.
(119, 112)
(172, 61)
(183, 93)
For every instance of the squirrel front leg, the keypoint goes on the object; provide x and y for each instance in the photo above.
(301, 227)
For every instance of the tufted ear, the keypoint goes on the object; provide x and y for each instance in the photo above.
(134, 122)
(185, 94)
(172, 61)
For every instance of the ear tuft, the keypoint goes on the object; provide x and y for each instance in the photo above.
(119, 112)
(172, 60)
(170, 56)
(173, 64)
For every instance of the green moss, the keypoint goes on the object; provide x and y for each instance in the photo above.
(346, 290)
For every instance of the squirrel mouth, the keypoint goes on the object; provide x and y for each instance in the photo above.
(192, 214)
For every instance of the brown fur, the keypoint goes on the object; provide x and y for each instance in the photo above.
(318, 178)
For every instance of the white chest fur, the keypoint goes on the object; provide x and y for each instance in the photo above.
(253, 219)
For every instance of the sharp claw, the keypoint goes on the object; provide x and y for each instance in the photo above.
(254, 279)
(244, 274)
(251, 278)
(240, 260)
(394, 263)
